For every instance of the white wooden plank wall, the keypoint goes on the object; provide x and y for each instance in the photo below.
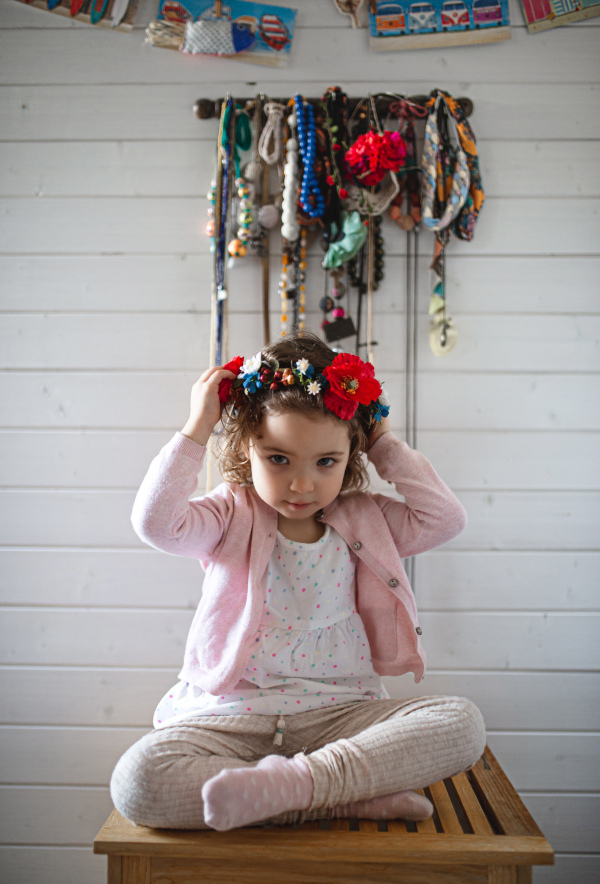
(105, 298)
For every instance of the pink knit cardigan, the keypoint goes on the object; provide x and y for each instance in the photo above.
(232, 532)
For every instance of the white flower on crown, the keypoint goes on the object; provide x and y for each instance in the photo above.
(251, 365)
(384, 399)
(303, 365)
(313, 388)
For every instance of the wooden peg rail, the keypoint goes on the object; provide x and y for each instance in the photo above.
(209, 108)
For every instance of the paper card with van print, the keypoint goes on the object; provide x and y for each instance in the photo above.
(272, 27)
(543, 14)
(115, 14)
(423, 23)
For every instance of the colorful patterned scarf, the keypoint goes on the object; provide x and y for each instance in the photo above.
(452, 189)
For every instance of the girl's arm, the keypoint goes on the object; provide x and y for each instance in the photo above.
(163, 515)
(431, 514)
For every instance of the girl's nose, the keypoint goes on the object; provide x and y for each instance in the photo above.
(301, 483)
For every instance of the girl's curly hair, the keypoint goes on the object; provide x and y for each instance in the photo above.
(241, 419)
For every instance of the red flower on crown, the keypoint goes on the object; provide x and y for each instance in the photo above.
(226, 384)
(351, 383)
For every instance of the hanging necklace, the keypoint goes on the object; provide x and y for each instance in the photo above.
(311, 198)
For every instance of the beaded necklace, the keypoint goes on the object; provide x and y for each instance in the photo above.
(311, 198)
(224, 173)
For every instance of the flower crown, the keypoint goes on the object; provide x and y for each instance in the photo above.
(345, 384)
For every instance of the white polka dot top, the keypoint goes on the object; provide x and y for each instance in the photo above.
(311, 649)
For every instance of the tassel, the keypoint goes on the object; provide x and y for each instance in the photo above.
(278, 738)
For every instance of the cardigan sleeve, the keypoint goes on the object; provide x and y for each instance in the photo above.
(163, 515)
(431, 514)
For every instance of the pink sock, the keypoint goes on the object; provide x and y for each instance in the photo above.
(243, 795)
(397, 806)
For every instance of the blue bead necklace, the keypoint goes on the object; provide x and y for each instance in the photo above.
(307, 138)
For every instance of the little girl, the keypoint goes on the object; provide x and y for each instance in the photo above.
(280, 712)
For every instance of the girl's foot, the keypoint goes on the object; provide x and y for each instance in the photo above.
(241, 796)
(397, 806)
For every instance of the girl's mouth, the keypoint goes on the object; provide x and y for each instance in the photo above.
(297, 506)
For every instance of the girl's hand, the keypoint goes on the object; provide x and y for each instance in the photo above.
(378, 429)
(205, 407)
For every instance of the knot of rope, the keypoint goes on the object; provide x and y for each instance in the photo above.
(271, 133)
(405, 109)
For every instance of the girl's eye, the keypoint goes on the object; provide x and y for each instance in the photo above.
(278, 459)
(322, 464)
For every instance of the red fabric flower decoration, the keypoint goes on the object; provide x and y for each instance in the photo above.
(351, 382)
(343, 193)
(226, 384)
(372, 155)
(330, 180)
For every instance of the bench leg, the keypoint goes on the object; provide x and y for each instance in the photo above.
(129, 870)
(114, 869)
(509, 874)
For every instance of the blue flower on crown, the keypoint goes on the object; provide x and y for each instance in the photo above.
(250, 373)
(381, 407)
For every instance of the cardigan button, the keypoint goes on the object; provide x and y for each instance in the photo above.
(419, 630)
(393, 582)
(356, 544)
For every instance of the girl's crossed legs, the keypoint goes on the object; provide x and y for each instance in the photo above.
(354, 752)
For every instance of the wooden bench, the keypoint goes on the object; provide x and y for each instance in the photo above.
(481, 833)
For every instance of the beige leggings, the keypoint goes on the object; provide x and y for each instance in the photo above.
(356, 750)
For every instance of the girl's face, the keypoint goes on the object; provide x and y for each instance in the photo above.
(298, 464)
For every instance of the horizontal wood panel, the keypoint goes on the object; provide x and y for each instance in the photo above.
(513, 700)
(64, 865)
(515, 461)
(71, 816)
(569, 822)
(156, 638)
(181, 168)
(149, 225)
(93, 112)
(87, 756)
(115, 638)
(511, 641)
(160, 400)
(525, 520)
(549, 762)
(178, 341)
(97, 697)
(498, 520)
(172, 283)
(582, 868)
(451, 579)
(135, 578)
(467, 460)
(444, 579)
(63, 756)
(564, 701)
(330, 52)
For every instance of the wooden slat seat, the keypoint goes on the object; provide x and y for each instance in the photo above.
(480, 833)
